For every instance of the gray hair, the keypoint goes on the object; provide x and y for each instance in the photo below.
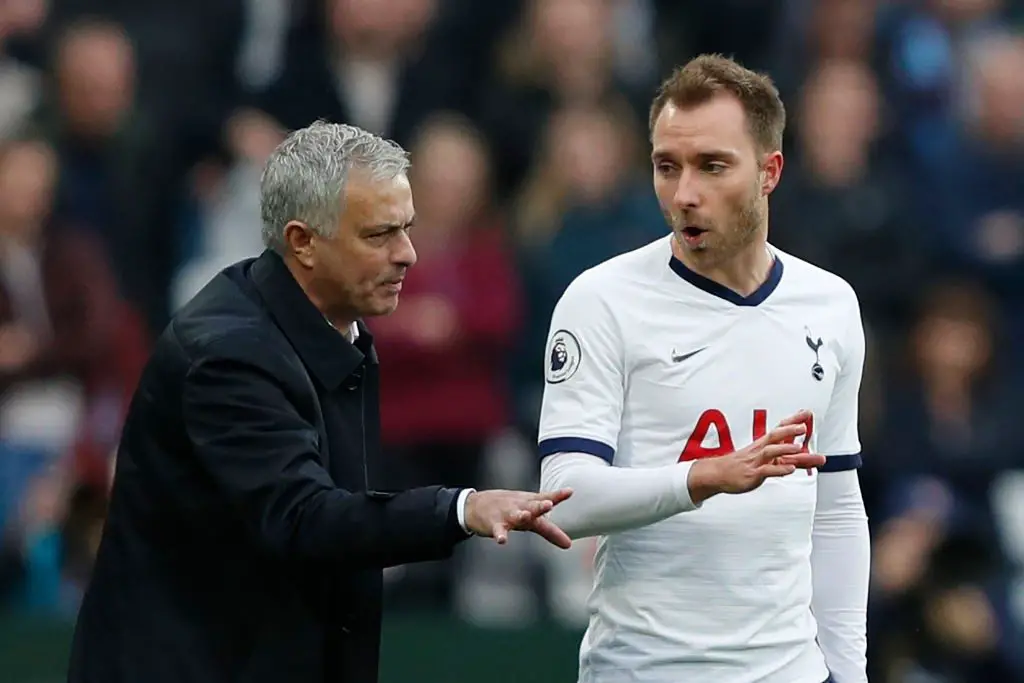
(305, 177)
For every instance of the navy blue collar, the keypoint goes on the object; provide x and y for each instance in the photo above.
(722, 292)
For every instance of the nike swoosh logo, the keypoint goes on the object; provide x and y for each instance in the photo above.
(680, 357)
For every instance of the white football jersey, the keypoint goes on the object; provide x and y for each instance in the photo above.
(649, 363)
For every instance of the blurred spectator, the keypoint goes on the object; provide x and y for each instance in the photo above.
(369, 62)
(842, 203)
(49, 549)
(20, 83)
(821, 31)
(116, 174)
(921, 46)
(560, 53)
(34, 538)
(60, 312)
(443, 379)
(950, 433)
(584, 201)
(977, 184)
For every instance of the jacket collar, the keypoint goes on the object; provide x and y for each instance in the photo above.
(322, 348)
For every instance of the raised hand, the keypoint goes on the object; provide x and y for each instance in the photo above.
(773, 455)
(495, 513)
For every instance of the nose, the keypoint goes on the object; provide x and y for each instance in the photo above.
(403, 254)
(687, 195)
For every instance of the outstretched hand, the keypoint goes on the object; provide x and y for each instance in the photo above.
(495, 513)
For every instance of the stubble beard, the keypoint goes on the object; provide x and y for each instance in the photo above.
(719, 246)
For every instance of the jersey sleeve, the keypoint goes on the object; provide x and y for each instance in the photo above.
(839, 438)
(583, 377)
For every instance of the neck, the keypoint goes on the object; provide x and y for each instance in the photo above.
(947, 389)
(743, 272)
(339, 320)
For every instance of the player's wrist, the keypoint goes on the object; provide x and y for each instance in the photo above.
(703, 480)
(680, 482)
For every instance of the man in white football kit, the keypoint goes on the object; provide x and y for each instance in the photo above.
(709, 362)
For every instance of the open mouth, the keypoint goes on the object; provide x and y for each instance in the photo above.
(692, 232)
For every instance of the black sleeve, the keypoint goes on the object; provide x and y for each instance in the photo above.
(264, 457)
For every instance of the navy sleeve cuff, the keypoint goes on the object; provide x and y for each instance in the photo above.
(574, 444)
(841, 463)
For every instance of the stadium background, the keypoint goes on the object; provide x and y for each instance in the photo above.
(131, 136)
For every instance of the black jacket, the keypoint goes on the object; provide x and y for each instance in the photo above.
(245, 541)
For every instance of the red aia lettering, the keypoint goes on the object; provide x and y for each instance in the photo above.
(695, 449)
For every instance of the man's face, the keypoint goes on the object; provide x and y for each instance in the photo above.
(710, 180)
(357, 272)
(96, 77)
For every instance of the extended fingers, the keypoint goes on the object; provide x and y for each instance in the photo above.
(555, 497)
(804, 461)
(799, 417)
(787, 464)
(777, 470)
(538, 507)
(780, 450)
(784, 433)
(550, 532)
(499, 532)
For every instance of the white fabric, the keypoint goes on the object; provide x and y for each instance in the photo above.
(838, 433)
(369, 89)
(648, 367)
(460, 508)
(841, 567)
(607, 499)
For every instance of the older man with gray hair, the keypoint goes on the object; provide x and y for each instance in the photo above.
(247, 531)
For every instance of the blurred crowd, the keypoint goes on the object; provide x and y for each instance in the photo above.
(132, 134)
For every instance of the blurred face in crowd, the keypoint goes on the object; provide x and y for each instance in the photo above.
(591, 148)
(843, 29)
(954, 336)
(95, 77)
(711, 180)
(22, 16)
(952, 347)
(357, 272)
(999, 89)
(840, 117)
(571, 29)
(379, 27)
(27, 174)
(450, 176)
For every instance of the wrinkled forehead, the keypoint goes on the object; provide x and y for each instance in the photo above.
(372, 202)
